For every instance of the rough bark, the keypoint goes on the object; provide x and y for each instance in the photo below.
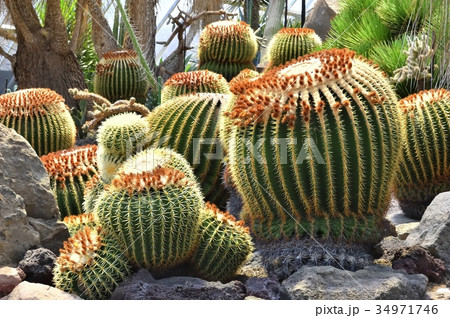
(275, 11)
(254, 23)
(43, 57)
(102, 35)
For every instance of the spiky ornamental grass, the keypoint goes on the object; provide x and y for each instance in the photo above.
(314, 148)
(223, 245)
(152, 215)
(90, 265)
(291, 43)
(69, 170)
(119, 75)
(425, 163)
(41, 117)
(202, 81)
(189, 125)
(119, 137)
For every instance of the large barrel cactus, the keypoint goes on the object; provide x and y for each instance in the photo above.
(152, 212)
(223, 244)
(202, 81)
(291, 43)
(119, 137)
(119, 75)
(189, 125)
(41, 117)
(90, 265)
(227, 47)
(314, 148)
(425, 164)
(69, 170)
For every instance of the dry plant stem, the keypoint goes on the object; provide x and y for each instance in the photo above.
(117, 108)
(98, 99)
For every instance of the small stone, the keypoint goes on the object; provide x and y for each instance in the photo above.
(264, 288)
(372, 282)
(404, 229)
(254, 267)
(9, 279)
(33, 291)
(252, 298)
(38, 265)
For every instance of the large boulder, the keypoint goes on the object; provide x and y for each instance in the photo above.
(433, 231)
(23, 172)
(319, 19)
(32, 291)
(142, 286)
(372, 282)
(16, 233)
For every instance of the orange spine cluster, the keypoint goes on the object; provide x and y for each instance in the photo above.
(30, 102)
(158, 178)
(408, 104)
(226, 217)
(193, 79)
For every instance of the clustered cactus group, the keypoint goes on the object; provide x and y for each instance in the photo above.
(313, 147)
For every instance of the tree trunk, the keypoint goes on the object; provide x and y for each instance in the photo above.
(274, 20)
(43, 57)
(254, 23)
(102, 35)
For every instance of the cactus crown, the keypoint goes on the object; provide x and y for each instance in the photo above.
(279, 89)
(226, 217)
(238, 88)
(202, 81)
(225, 29)
(422, 98)
(76, 220)
(122, 55)
(71, 163)
(31, 102)
(158, 178)
(80, 250)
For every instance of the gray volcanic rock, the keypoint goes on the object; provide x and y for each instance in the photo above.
(38, 265)
(433, 231)
(142, 286)
(16, 233)
(372, 282)
(23, 172)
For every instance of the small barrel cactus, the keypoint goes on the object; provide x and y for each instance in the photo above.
(92, 190)
(223, 245)
(119, 137)
(69, 170)
(119, 75)
(189, 125)
(90, 265)
(227, 41)
(227, 69)
(153, 214)
(291, 43)
(75, 223)
(227, 47)
(41, 117)
(425, 164)
(193, 82)
(314, 148)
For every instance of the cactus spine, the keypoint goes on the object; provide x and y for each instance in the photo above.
(75, 223)
(90, 265)
(119, 137)
(223, 244)
(92, 191)
(41, 117)
(323, 137)
(153, 215)
(189, 125)
(119, 75)
(69, 170)
(227, 47)
(291, 43)
(193, 82)
(425, 162)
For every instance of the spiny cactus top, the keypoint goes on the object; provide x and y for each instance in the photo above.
(202, 81)
(314, 147)
(425, 163)
(227, 41)
(76, 223)
(69, 170)
(291, 43)
(119, 75)
(90, 265)
(41, 117)
(223, 244)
